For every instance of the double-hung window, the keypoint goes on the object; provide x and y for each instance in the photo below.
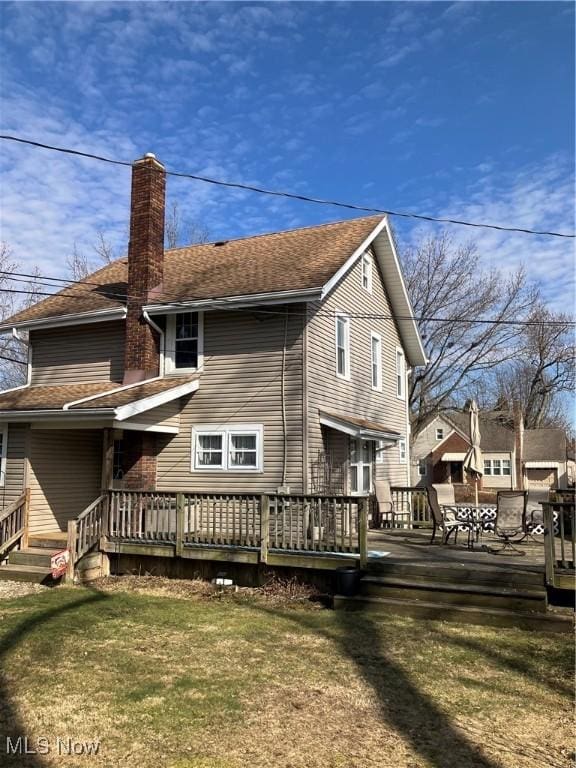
(376, 360)
(400, 374)
(367, 272)
(497, 467)
(342, 346)
(235, 448)
(422, 469)
(402, 451)
(183, 341)
(440, 433)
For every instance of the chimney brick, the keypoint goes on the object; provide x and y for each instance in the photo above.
(145, 266)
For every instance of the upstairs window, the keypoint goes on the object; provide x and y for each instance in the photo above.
(183, 342)
(440, 433)
(376, 355)
(367, 272)
(422, 468)
(400, 374)
(402, 451)
(343, 346)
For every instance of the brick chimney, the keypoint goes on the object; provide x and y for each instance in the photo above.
(145, 266)
(519, 445)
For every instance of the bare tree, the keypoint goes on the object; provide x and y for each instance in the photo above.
(14, 295)
(449, 292)
(78, 264)
(179, 232)
(542, 373)
(104, 249)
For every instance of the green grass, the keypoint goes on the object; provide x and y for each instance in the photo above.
(244, 681)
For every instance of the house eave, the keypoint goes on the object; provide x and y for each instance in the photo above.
(341, 425)
(233, 302)
(80, 318)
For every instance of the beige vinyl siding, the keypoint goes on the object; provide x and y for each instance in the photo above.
(355, 397)
(164, 415)
(242, 384)
(84, 353)
(15, 464)
(65, 475)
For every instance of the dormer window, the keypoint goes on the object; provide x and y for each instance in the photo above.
(439, 433)
(183, 342)
(367, 272)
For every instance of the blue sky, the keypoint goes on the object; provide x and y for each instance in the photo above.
(463, 109)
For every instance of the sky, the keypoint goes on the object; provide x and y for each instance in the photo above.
(458, 109)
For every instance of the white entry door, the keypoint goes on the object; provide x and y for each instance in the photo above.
(361, 462)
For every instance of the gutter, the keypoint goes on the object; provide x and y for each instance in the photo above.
(82, 318)
(232, 302)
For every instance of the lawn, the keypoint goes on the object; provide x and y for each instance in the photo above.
(181, 679)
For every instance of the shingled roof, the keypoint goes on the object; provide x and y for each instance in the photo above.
(294, 260)
(544, 445)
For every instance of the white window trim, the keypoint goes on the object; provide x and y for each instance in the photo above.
(226, 431)
(367, 268)
(401, 396)
(170, 345)
(378, 338)
(442, 436)
(422, 464)
(360, 464)
(346, 375)
(4, 430)
(402, 445)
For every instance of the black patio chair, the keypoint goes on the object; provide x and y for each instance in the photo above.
(510, 523)
(445, 518)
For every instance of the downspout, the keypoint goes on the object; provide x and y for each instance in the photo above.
(160, 333)
(408, 429)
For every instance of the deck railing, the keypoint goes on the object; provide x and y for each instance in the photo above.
(13, 523)
(266, 522)
(412, 500)
(559, 545)
(85, 531)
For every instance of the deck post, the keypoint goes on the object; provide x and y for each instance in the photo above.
(363, 530)
(26, 521)
(264, 527)
(179, 524)
(71, 546)
(549, 544)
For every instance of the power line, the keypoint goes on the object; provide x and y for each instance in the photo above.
(13, 360)
(293, 195)
(319, 313)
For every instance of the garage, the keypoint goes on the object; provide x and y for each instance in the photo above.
(542, 477)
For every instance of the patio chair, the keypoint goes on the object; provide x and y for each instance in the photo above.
(385, 508)
(510, 523)
(445, 516)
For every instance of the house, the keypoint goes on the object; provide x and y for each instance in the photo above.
(275, 363)
(534, 459)
(441, 444)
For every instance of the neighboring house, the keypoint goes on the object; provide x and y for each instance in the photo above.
(545, 459)
(537, 455)
(440, 446)
(271, 362)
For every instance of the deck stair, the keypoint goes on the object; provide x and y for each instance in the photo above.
(32, 563)
(511, 597)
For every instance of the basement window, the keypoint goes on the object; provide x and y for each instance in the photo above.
(184, 341)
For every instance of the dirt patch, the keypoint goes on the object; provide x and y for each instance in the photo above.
(11, 589)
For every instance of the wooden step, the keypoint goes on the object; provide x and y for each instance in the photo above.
(32, 573)
(32, 556)
(551, 621)
(457, 572)
(464, 593)
(51, 540)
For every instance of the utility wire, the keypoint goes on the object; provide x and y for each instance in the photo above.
(293, 195)
(13, 360)
(319, 313)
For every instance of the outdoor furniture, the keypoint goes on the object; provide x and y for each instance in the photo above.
(445, 516)
(534, 514)
(386, 510)
(510, 524)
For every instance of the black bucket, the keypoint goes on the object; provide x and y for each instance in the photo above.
(347, 581)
